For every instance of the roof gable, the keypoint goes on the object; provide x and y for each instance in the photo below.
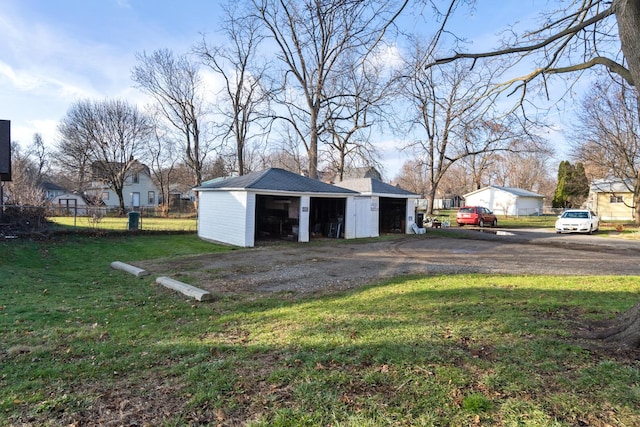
(273, 179)
(374, 186)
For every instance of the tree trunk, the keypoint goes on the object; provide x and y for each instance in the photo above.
(628, 19)
(432, 198)
(312, 153)
(623, 331)
(118, 192)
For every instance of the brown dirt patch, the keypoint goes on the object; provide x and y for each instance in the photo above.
(329, 265)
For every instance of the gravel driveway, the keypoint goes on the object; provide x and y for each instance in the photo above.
(332, 265)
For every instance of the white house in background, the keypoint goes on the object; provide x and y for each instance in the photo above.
(139, 189)
(70, 204)
(506, 200)
(612, 200)
(278, 204)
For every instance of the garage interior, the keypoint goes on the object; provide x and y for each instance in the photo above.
(326, 217)
(392, 215)
(278, 217)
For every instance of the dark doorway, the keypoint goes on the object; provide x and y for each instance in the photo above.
(392, 215)
(277, 217)
(326, 217)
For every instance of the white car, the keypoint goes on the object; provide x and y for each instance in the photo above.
(577, 221)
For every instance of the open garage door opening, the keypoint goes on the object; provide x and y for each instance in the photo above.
(392, 215)
(326, 217)
(277, 218)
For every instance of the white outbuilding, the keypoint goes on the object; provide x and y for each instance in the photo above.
(278, 204)
(506, 200)
(380, 207)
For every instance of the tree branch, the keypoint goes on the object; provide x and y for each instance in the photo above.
(528, 48)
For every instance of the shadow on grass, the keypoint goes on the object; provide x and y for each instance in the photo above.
(82, 344)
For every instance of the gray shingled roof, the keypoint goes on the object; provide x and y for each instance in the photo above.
(515, 191)
(273, 179)
(611, 186)
(518, 191)
(374, 186)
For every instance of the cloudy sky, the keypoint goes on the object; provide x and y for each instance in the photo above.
(55, 52)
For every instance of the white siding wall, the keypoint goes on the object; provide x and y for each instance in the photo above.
(144, 185)
(504, 203)
(227, 217)
(410, 216)
(529, 206)
(375, 216)
(362, 217)
(303, 221)
(484, 198)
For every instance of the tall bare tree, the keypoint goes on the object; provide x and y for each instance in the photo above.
(412, 177)
(358, 103)
(175, 84)
(112, 132)
(244, 99)
(606, 135)
(581, 35)
(72, 159)
(162, 157)
(453, 116)
(311, 38)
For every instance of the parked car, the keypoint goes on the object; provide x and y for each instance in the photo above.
(577, 221)
(476, 215)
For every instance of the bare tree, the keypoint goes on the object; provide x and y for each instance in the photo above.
(175, 84)
(454, 116)
(577, 36)
(582, 35)
(607, 135)
(25, 187)
(112, 132)
(360, 93)
(413, 177)
(312, 37)
(526, 170)
(38, 152)
(162, 158)
(72, 159)
(244, 99)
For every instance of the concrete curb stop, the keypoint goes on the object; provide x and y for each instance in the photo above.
(138, 272)
(184, 288)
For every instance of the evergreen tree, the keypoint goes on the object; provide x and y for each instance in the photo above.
(560, 196)
(573, 186)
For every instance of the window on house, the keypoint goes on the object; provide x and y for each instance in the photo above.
(152, 197)
(135, 178)
(615, 199)
(105, 195)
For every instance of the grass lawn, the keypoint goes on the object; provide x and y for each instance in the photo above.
(121, 223)
(82, 344)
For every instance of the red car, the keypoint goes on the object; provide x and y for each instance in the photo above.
(476, 215)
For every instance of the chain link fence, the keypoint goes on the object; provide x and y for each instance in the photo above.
(20, 220)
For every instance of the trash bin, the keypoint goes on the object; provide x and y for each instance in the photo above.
(134, 220)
